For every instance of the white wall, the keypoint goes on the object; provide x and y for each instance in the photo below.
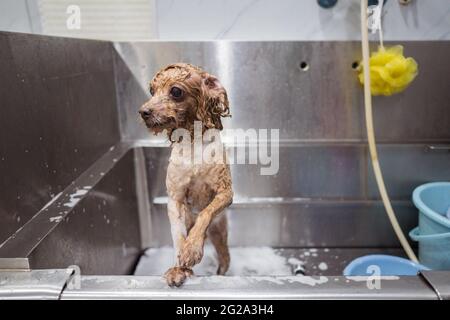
(19, 16)
(266, 19)
(297, 20)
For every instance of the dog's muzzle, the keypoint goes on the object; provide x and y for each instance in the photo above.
(145, 114)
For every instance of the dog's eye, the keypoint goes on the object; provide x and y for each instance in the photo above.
(152, 92)
(176, 92)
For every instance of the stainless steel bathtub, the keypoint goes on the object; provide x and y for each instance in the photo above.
(83, 182)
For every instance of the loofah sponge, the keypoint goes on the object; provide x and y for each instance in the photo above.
(390, 71)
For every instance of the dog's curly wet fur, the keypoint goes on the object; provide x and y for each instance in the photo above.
(181, 94)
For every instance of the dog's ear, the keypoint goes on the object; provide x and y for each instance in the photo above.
(216, 102)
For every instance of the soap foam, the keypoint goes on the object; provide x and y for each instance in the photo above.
(245, 261)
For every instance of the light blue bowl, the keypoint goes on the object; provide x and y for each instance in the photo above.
(389, 266)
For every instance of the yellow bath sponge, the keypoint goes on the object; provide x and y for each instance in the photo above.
(390, 71)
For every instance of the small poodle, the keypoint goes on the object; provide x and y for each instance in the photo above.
(198, 193)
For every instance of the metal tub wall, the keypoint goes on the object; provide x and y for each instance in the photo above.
(268, 89)
(59, 118)
(77, 98)
(93, 223)
(70, 127)
(58, 100)
(322, 196)
(101, 234)
(325, 182)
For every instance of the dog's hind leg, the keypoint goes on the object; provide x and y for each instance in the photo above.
(218, 234)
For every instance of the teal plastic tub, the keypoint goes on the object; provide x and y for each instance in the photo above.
(433, 232)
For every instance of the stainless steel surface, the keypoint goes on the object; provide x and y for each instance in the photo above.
(439, 281)
(320, 224)
(324, 164)
(267, 88)
(323, 195)
(94, 223)
(143, 200)
(330, 261)
(407, 166)
(101, 234)
(66, 102)
(439, 148)
(17, 264)
(295, 222)
(57, 117)
(36, 284)
(130, 93)
(291, 287)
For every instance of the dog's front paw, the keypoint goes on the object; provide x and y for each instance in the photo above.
(191, 253)
(176, 276)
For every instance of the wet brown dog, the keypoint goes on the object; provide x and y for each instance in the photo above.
(182, 94)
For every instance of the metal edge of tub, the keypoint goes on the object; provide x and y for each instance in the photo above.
(268, 287)
(15, 251)
(439, 281)
(36, 284)
(67, 284)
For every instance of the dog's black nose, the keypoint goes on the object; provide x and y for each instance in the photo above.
(146, 113)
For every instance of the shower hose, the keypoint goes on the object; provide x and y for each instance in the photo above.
(371, 137)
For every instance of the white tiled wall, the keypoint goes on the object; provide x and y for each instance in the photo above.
(266, 19)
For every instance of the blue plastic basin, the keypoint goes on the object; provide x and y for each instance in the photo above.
(433, 232)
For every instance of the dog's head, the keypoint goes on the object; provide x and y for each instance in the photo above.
(181, 94)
